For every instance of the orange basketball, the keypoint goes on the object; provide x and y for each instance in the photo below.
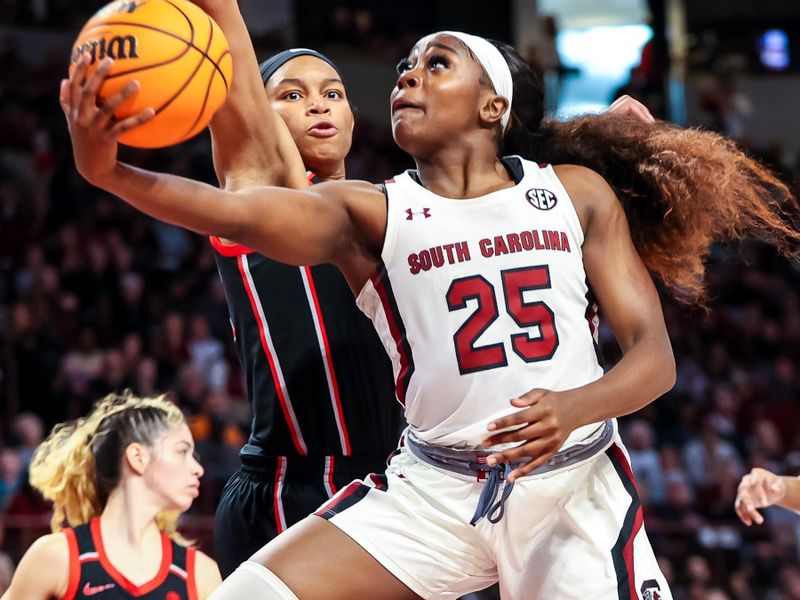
(177, 53)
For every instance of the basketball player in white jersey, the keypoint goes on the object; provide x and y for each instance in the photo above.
(238, 155)
(450, 293)
(476, 271)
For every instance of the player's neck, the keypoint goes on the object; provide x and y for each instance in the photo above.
(129, 519)
(463, 172)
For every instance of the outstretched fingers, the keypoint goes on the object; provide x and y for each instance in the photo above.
(87, 109)
(519, 417)
(746, 501)
(106, 111)
(747, 512)
(532, 427)
(76, 82)
(133, 121)
(541, 449)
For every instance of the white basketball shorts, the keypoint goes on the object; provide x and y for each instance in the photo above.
(575, 533)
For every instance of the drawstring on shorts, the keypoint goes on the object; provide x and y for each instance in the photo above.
(472, 463)
(493, 512)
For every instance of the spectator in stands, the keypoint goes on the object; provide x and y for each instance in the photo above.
(29, 431)
(645, 461)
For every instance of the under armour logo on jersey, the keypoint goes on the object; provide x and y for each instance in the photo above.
(425, 212)
(650, 590)
(541, 199)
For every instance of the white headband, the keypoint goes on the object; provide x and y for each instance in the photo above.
(493, 63)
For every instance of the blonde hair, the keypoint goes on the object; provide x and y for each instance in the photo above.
(80, 463)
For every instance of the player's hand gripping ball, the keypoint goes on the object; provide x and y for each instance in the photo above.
(175, 51)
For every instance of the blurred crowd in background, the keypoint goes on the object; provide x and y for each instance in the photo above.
(95, 297)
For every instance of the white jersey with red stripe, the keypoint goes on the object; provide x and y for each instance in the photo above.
(480, 300)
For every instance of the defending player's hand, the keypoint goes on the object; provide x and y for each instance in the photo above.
(542, 426)
(630, 107)
(758, 489)
(92, 127)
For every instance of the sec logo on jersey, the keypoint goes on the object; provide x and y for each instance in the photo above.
(541, 199)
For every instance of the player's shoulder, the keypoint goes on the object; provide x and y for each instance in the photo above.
(589, 191)
(581, 180)
(50, 549)
(206, 574)
(204, 561)
(43, 569)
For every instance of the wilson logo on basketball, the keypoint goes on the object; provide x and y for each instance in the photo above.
(177, 54)
(541, 199)
(118, 47)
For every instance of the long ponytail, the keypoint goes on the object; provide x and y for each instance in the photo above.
(682, 189)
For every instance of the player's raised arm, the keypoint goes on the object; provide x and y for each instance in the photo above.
(251, 143)
(338, 222)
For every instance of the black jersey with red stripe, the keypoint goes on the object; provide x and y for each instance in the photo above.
(91, 574)
(317, 375)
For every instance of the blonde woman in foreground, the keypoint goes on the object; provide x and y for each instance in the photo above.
(118, 480)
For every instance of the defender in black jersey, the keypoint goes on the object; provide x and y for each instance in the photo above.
(319, 382)
(91, 574)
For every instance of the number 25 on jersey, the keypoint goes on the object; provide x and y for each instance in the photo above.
(516, 282)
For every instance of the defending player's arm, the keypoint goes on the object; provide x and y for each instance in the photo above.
(761, 488)
(43, 572)
(251, 144)
(629, 301)
(339, 222)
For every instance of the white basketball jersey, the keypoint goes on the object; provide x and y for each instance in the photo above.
(478, 301)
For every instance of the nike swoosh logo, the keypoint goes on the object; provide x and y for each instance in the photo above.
(88, 590)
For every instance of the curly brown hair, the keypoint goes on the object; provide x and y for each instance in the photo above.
(682, 189)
